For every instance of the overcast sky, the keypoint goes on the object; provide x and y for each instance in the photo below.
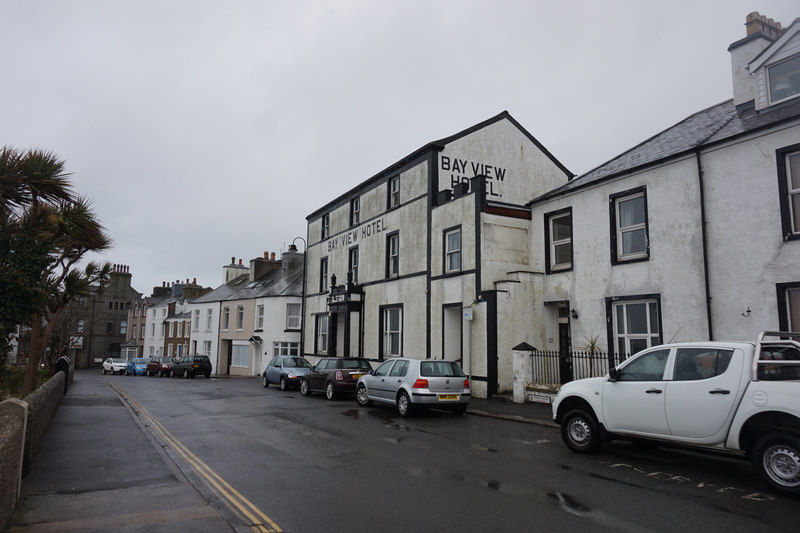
(203, 130)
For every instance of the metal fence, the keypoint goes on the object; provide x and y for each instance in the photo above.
(552, 367)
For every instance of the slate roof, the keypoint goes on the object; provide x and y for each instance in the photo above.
(715, 124)
(271, 284)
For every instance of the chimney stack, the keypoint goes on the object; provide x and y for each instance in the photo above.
(757, 22)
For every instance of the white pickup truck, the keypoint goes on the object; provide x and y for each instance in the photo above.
(735, 397)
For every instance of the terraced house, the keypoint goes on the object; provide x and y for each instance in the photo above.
(482, 241)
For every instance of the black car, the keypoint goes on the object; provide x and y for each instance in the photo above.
(191, 366)
(334, 376)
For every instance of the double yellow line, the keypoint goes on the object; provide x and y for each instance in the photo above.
(250, 514)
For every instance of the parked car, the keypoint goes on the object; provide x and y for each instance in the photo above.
(136, 366)
(412, 383)
(735, 397)
(160, 366)
(115, 365)
(191, 366)
(286, 371)
(334, 376)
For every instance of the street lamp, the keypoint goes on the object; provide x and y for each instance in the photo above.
(303, 300)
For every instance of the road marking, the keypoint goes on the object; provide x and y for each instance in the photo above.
(252, 515)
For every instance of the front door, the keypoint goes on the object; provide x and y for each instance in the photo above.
(564, 353)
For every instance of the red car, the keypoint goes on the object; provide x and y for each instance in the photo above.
(160, 366)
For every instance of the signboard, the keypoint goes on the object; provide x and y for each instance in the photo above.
(76, 342)
(467, 313)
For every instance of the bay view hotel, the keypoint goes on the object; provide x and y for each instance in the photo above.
(482, 241)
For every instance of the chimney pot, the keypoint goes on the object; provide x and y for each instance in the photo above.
(233, 260)
(272, 257)
(240, 261)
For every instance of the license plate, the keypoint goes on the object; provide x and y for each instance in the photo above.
(448, 396)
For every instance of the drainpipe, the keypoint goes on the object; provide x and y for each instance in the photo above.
(705, 243)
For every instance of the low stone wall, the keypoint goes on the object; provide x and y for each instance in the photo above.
(42, 405)
(13, 416)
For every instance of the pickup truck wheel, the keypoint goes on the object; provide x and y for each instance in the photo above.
(579, 432)
(776, 459)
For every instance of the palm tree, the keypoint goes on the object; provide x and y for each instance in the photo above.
(37, 201)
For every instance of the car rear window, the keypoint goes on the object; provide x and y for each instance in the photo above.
(447, 369)
(358, 364)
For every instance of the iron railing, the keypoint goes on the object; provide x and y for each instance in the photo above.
(553, 368)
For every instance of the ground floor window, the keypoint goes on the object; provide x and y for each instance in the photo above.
(636, 325)
(392, 328)
(286, 348)
(207, 347)
(322, 334)
(240, 355)
(789, 306)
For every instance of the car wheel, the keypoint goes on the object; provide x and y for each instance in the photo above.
(305, 390)
(171, 373)
(362, 397)
(264, 381)
(776, 459)
(330, 391)
(208, 375)
(104, 371)
(284, 385)
(580, 432)
(403, 404)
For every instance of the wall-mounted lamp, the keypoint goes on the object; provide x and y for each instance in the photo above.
(573, 313)
(746, 314)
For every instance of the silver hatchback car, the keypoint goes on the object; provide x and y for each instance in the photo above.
(412, 383)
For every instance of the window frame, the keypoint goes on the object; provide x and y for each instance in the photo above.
(551, 242)
(323, 274)
(240, 351)
(325, 229)
(787, 292)
(226, 318)
(617, 242)
(355, 211)
(239, 317)
(769, 72)
(259, 322)
(393, 192)
(788, 217)
(290, 315)
(448, 253)
(392, 261)
(321, 337)
(352, 263)
(386, 333)
(653, 338)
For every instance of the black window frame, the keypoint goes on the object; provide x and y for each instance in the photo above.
(548, 238)
(355, 211)
(323, 274)
(782, 159)
(784, 318)
(614, 199)
(445, 250)
(389, 237)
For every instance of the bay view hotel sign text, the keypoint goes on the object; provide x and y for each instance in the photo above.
(392, 263)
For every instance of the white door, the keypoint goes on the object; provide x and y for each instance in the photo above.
(700, 397)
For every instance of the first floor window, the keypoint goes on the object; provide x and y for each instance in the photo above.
(293, 316)
(240, 355)
(260, 317)
(286, 348)
(326, 226)
(393, 255)
(789, 306)
(226, 317)
(352, 266)
(636, 325)
(323, 274)
(133, 331)
(629, 219)
(239, 317)
(452, 250)
(110, 327)
(394, 192)
(392, 319)
(123, 327)
(209, 315)
(196, 319)
(355, 211)
(559, 241)
(322, 334)
(789, 188)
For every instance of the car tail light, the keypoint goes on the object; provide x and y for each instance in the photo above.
(421, 384)
(466, 383)
(339, 376)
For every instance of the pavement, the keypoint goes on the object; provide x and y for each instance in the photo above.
(96, 470)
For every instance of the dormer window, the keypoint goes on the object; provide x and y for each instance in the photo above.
(784, 79)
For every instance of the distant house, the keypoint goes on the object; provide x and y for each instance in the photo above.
(242, 323)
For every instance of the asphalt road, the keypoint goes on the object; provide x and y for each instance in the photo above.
(298, 464)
